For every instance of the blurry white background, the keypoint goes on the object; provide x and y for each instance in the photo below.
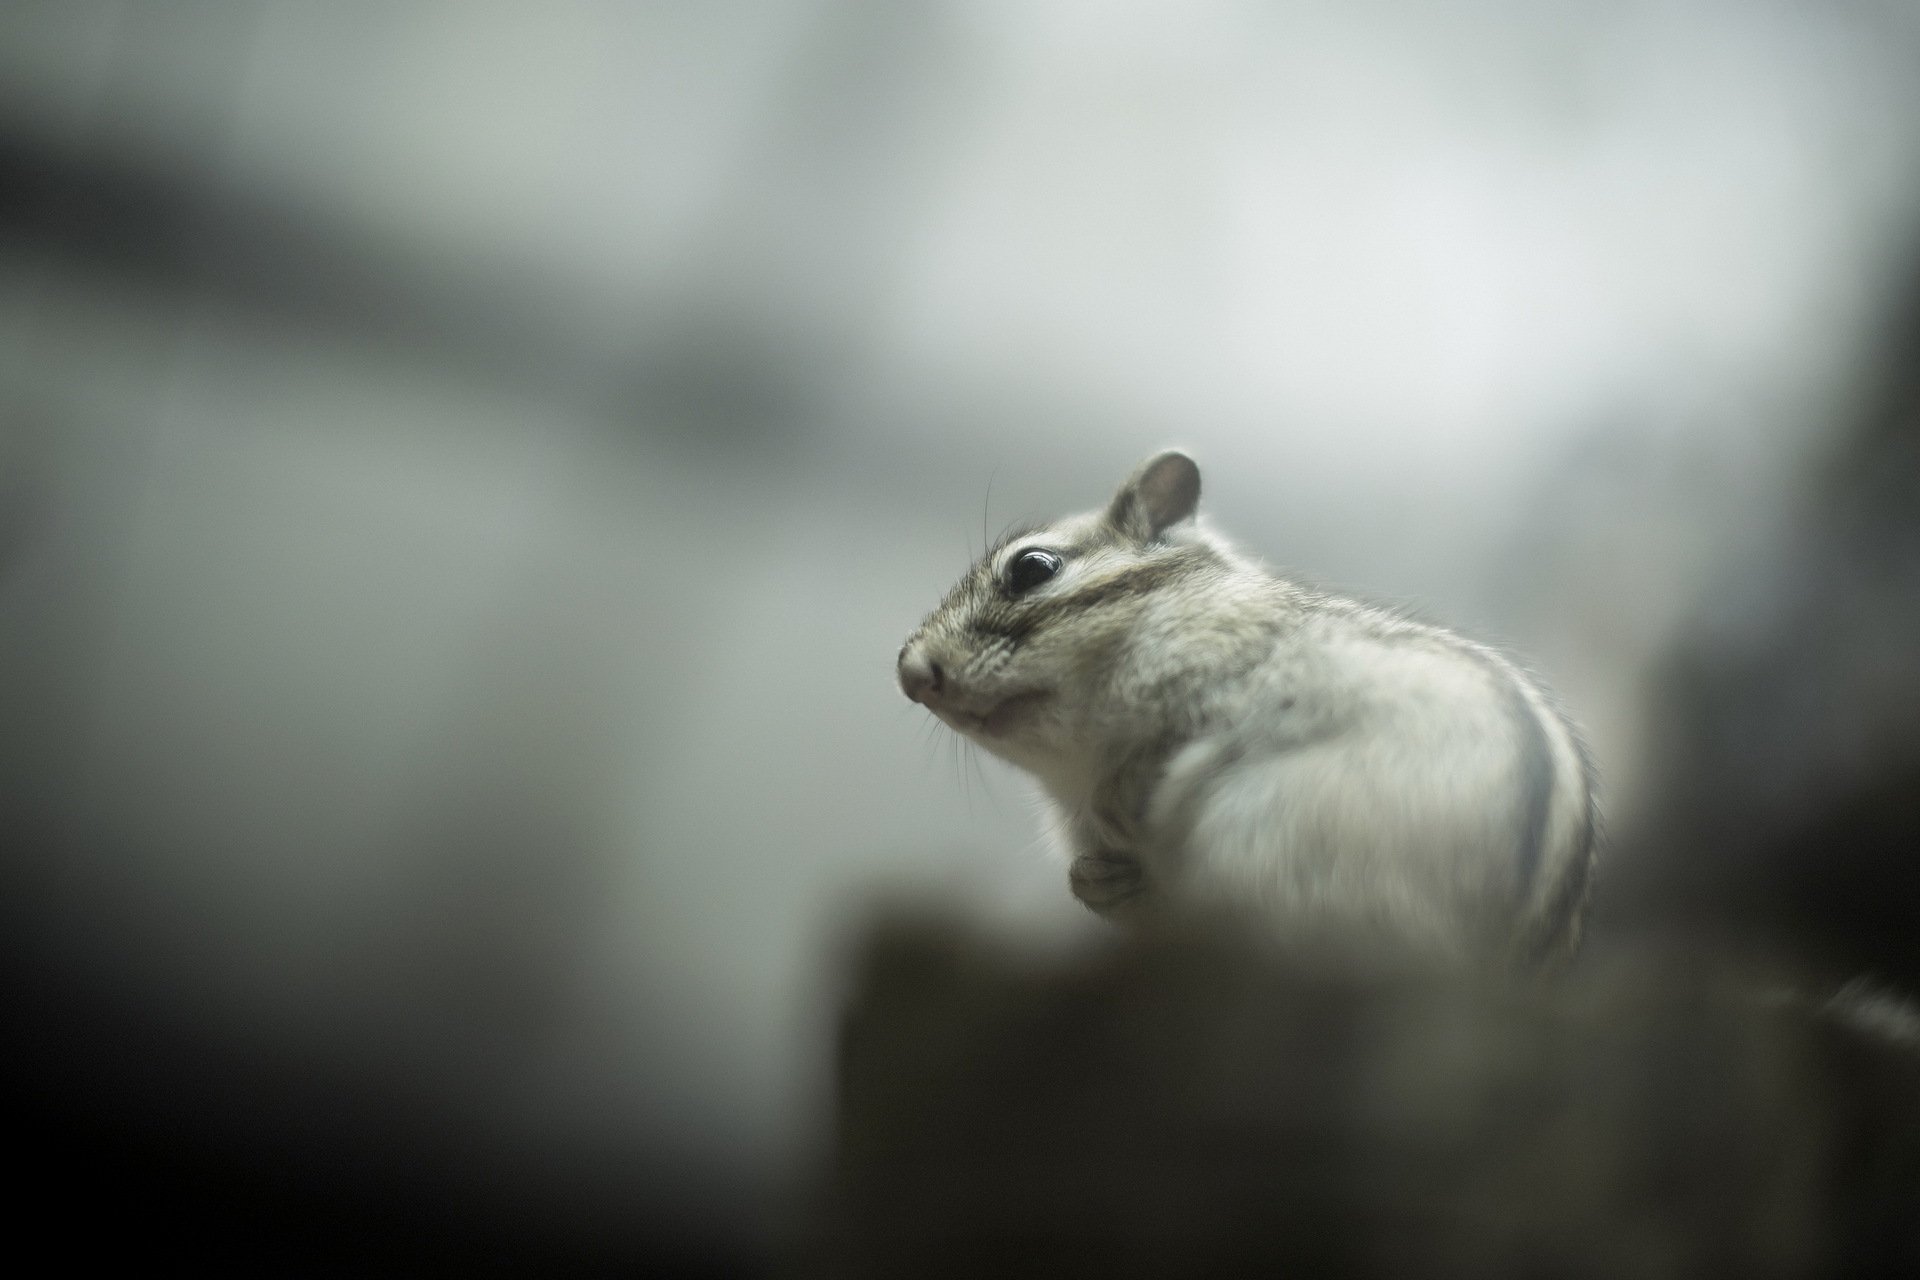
(469, 467)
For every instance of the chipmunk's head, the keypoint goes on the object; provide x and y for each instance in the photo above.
(1019, 656)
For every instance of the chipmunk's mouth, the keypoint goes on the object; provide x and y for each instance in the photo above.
(1001, 718)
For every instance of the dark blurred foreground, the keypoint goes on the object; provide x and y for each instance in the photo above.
(1212, 1105)
(150, 1136)
(1188, 1104)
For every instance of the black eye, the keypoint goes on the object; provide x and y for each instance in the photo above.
(1031, 568)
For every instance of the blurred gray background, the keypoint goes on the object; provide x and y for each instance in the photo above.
(466, 469)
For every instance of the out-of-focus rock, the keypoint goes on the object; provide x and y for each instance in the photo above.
(1209, 1105)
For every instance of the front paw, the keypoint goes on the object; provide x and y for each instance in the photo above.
(1104, 881)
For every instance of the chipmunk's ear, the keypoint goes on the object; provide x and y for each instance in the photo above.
(1162, 491)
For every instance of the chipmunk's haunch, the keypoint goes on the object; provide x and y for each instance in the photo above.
(1207, 732)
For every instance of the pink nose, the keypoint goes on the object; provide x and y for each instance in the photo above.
(920, 676)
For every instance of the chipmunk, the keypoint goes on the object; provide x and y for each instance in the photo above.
(1205, 732)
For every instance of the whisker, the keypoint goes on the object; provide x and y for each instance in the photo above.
(986, 504)
(973, 761)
